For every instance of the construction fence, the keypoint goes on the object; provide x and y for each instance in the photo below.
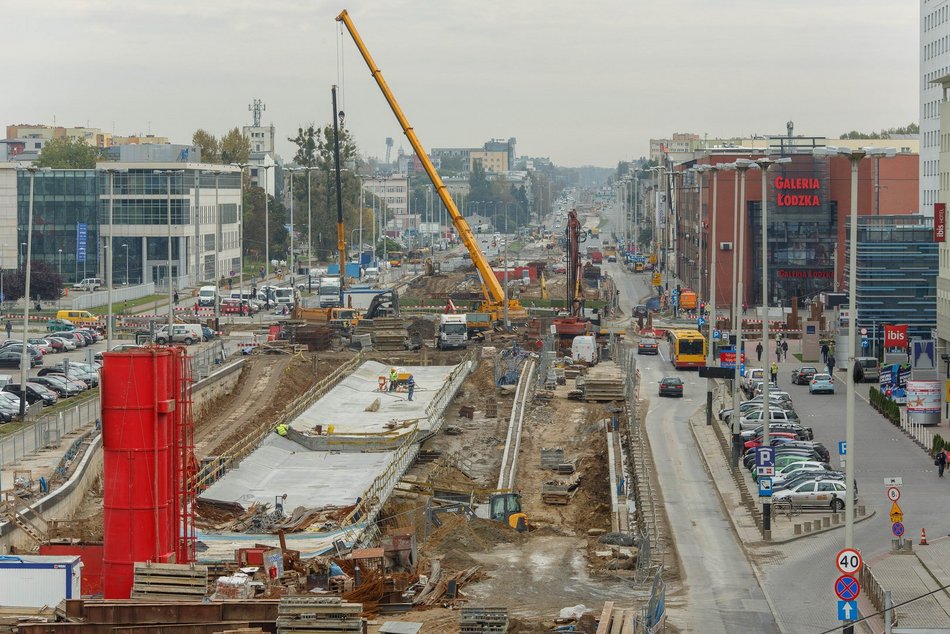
(47, 430)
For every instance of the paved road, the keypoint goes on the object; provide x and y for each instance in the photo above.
(723, 594)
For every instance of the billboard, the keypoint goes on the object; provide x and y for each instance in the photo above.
(923, 402)
(82, 236)
(893, 381)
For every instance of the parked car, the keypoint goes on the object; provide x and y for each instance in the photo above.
(671, 386)
(34, 393)
(43, 345)
(870, 368)
(784, 449)
(78, 340)
(774, 439)
(803, 476)
(122, 347)
(57, 344)
(648, 345)
(67, 344)
(805, 433)
(815, 493)
(33, 351)
(821, 384)
(751, 374)
(754, 417)
(776, 399)
(60, 386)
(92, 332)
(207, 333)
(805, 466)
(87, 379)
(59, 325)
(803, 375)
(181, 333)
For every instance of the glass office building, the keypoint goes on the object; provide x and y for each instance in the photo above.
(65, 221)
(896, 276)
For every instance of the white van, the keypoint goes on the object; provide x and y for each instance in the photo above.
(182, 333)
(584, 348)
(207, 295)
(88, 284)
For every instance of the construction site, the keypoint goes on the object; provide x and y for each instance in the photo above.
(460, 455)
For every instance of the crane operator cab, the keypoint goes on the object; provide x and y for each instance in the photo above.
(506, 507)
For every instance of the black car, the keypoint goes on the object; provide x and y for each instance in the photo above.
(648, 345)
(11, 358)
(671, 386)
(804, 433)
(640, 310)
(34, 393)
(804, 374)
(58, 384)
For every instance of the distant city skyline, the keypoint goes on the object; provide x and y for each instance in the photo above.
(581, 86)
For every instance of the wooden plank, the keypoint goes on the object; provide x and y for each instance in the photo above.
(603, 626)
(141, 565)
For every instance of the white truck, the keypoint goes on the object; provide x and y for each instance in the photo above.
(329, 293)
(453, 332)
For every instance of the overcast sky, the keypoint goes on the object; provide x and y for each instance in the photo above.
(579, 81)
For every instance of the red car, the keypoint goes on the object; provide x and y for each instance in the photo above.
(777, 434)
(232, 307)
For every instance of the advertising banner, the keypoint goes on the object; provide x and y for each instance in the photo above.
(923, 402)
(940, 222)
(895, 336)
(82, 235)
(893, 381)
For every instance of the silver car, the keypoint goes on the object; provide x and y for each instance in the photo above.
(753, 418)
(817, 493)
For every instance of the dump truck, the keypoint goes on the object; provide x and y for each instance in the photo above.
(453, 332)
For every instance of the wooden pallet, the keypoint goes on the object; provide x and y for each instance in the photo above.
(483, 621)
(616, 620)
(318, 615)
(169, 582)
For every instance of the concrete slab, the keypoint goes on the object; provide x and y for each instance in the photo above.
(313, 479)
(344, 406)
(907, 579)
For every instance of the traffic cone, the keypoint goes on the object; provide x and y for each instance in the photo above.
(923, 538)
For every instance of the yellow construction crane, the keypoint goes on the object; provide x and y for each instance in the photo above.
(494, 302)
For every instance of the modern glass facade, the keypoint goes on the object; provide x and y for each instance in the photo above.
(65, 222)
(802, 233)
(896, 276)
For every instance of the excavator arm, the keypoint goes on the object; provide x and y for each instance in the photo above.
(491, 288)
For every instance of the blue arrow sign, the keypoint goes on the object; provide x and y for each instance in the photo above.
(847, 610)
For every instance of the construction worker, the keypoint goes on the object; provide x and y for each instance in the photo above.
(281, 429)
(393, 379)
(773, 370)
(411, 386)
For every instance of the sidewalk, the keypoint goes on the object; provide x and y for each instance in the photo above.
(909, 576)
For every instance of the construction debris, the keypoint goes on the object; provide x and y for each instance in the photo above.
(560, 491)
(318, 615)
(169, 582)
(483, 620)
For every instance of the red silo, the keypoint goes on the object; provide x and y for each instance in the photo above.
(139, 396)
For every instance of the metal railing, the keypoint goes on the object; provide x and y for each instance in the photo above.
(48, 429)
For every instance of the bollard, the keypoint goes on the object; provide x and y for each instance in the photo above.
(861, 510)
(798, 529)
(817, 524)
(836, 519)
(825, 522)
(767, 535)
(807, 527)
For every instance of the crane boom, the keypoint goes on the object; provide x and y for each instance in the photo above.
(492, 289)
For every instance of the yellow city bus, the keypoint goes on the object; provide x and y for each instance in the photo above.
(687, 348)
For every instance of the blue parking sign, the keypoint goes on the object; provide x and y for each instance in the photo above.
(764, 457)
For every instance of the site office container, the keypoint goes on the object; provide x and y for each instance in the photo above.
(34, 581)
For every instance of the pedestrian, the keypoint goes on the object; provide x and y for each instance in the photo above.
(778, 352)
(758, 351)
(175, 297)
(824, 353)
(745, 307)
(9, 328)
(831, 365)
(411, 386)
(773, 370)
(784, 349)
(281, 429)
(393, 379)
(941, 462)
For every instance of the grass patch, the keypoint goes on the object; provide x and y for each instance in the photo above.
(120, 307)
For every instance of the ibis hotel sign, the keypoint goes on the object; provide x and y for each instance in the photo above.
(797, 192)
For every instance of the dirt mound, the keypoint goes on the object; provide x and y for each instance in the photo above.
(469, 535)
(456, 561)
(422, 326)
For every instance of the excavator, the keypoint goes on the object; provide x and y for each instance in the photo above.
(494, 295)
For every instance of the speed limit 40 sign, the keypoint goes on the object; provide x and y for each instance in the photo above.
(849, 561)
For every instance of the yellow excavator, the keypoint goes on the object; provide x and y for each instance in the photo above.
(494, 295)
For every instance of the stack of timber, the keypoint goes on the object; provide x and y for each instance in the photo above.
(604, 382)
(390, 334)
(169, 582)
(315, 336)
(483, 620)
(318, 615)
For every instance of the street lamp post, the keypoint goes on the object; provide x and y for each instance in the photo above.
(168, 201)
(266, 226)
(217, 248)
(854, 156)
(764, 164)
(243, 166)
(25, 347)
(109, 281)
(741, 166)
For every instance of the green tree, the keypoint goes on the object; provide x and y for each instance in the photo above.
(208, 144)
(45, 283)
(390, 246)
(235, 147)
(68, 153)
(254, 233)
(306, 142)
